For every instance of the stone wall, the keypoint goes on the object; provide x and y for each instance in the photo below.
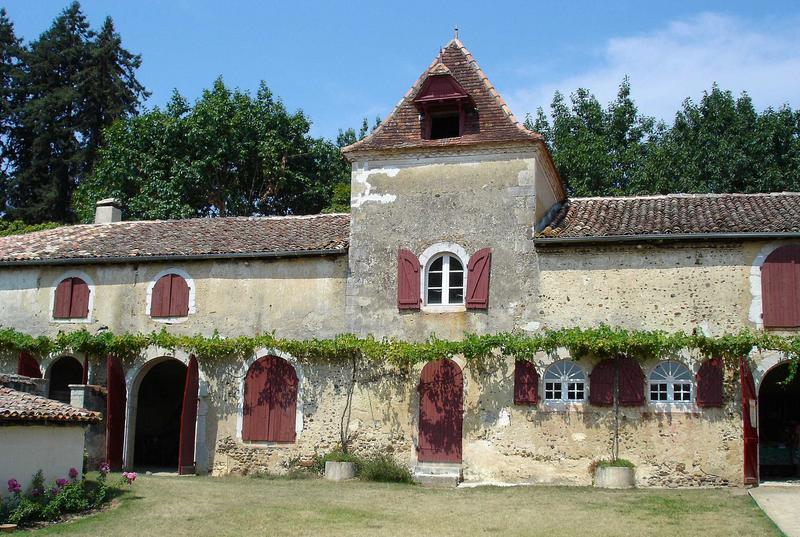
(92, 398)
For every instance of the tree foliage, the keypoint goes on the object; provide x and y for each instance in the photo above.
(230, 153)
(720, 144)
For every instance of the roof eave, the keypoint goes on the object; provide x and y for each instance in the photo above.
(664, 237)
(157, 258)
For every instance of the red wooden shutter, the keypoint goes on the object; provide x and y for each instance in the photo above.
(631, 382)
(186, 463)
(709, 383)
(441, 411)
(159, 300)
(270, 401)
(780, 288)
(63, 299)
(526, 383)
(749, 403)
(601, 383)
(115, 411)
(408, 296)
(478, 271)
(28, 366)
(179, 297)
(79, 304)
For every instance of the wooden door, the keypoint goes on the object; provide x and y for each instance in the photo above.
(441, 396)
(186, 462)
(749, 423)
(115, 411)
(270, 401)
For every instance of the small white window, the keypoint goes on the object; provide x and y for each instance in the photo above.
(444, 281)
(564, 381)
(670, 382)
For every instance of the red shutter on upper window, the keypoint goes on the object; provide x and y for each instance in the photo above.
(28, 366)
(780, 288)
(478, 271)
(631, 382)
(79, 304)
(179, 297)
(526, 383)
(63, 299)
(408, 296)
(601, 383)
(709, 383)
(159, 299)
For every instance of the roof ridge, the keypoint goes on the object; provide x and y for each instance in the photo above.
(680, 195)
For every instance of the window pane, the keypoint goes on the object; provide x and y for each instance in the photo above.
(456, 296)
(455, 264)
(456, 279)
(434, 296)
(437, 265)
(434, 279)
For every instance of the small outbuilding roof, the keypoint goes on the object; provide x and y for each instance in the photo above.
(674, 216)
(21, 406)
(181, 239)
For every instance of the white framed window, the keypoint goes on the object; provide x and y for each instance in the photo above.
(670, 382)
(444, 281)
(565, 381)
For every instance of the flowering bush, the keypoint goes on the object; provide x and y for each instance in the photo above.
(71, 495)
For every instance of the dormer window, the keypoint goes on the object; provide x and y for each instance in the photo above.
(442, 104)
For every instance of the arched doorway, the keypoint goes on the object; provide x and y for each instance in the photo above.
(779, 425)
(441, 403)
(63, 372)
(158, 416)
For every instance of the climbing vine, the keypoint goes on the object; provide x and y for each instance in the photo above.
(477, 350)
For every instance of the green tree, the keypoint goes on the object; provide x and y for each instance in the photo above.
(231, 153)
(74, 83)
(10, 70)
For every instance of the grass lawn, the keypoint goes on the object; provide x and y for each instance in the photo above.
(205, 506)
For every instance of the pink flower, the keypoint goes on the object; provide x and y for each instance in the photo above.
(54, 491)
(105, 468)
(73, 473)
(61, 482)
(36, 493)
(130, 477)
(14, 486)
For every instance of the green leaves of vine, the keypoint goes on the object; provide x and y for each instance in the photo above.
(601, 342)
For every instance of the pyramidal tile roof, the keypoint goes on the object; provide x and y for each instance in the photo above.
(494, 122)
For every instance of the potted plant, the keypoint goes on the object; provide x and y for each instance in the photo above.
(615, 473)
(340, 464)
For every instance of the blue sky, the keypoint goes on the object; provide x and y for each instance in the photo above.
(342, 61)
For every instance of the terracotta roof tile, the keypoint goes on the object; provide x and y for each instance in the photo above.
(675, 214)
(494, 122)
(233, 236)
(20, 406)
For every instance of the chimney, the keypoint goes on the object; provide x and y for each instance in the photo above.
(108, 211)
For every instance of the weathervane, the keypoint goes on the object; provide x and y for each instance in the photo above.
(455, 32)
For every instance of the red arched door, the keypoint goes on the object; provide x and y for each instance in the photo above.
(441, 396)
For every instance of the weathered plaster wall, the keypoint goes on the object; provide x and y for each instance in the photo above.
(475, 200)
(296, 297)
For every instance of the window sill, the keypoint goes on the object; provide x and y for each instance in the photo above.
(443, 309)
(72, 321)
(169, 320)
(564, 406)
(673, 408)
(267, 444)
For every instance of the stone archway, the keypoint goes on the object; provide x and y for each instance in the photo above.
(155, 415)
(779, 424)
(62, 372)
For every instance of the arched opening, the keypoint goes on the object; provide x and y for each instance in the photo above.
(441, 403)
(64, 371)
(158, 416)
(779, 425)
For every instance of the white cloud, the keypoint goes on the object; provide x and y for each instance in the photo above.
(683, 59)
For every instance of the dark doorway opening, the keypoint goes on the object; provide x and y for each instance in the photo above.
(64, 371)
(779, 425)
(158, 416)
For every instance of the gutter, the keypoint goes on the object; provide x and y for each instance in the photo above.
(665, 237)
(156, 258)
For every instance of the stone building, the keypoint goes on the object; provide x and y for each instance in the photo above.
(459, 224)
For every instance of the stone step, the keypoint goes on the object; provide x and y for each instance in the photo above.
(439, 481)
(438, 468)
